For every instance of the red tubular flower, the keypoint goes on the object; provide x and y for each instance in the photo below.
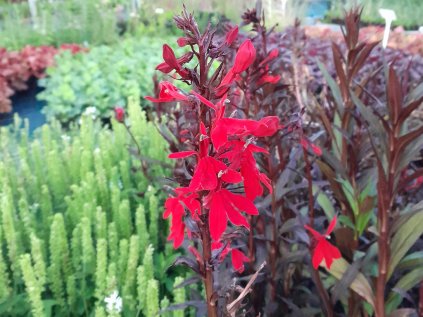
(231, 35)
(238, 259)
(241, 156)
(119, 114)
(172, 63)
(306, 144)
(272, 55)
(175, 206)
(225, 205)
(244, 57)
(225, 127)
(168, 92)
(323, 250)
(208, 171)
(177, 228)
(269, 79)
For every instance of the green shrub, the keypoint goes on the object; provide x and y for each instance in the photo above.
(68, 236)
(57, 22)
(102, 78)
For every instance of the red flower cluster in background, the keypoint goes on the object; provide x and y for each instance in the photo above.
(16, 68)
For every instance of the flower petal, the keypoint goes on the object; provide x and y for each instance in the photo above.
(182, 154)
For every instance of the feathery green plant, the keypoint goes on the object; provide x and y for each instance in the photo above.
(79, 221)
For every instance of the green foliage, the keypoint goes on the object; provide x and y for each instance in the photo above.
(408, 11)
(101, 79)
(57, 22)
(81, 232)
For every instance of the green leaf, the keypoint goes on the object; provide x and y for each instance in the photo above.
(404, 238)
(324, 202)
(346, 221)
(360, 285)
(362, 220)
(333, 87)
(351, 196)
(407, 282)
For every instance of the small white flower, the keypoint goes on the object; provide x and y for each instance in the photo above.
(66, 138)
(91, 111)
(159, 11)
(113, 302)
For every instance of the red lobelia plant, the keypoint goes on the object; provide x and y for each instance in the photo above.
(221, 178)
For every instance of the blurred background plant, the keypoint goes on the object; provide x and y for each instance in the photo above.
(101, 79)
(408, 12)
(78, 224)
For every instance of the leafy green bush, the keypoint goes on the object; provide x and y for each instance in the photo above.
(68, 236)
(57, 22)
(102, 78)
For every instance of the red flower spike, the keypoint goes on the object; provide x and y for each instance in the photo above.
(225, 205)
(244, 57)
(120, 114)
(324, 250)
(231, 35)
(168, 93)
(238, 259)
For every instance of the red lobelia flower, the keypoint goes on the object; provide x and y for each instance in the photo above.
(237, 256)
(240, 154)
(231, 35)
(224, 127)
(172, 63)
(224, 205)
(238, 259)
(306, 144)
(168, 93)
(244, 57)
(175, 206)
(323, 249)
(208, 172)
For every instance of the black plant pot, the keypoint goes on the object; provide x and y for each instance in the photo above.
(26, 105)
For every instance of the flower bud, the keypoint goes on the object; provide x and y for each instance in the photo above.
(119, 114)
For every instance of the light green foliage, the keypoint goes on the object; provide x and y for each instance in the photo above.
(81, 232)
(102, 78)
(58, 22)
(179, 297)
(32, 285)
(152, 298)
(142, 288)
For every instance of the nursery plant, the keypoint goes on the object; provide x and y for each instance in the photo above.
(69, 243)
(57, 22)
(289, 145)
(17, 67)
(99, 80)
